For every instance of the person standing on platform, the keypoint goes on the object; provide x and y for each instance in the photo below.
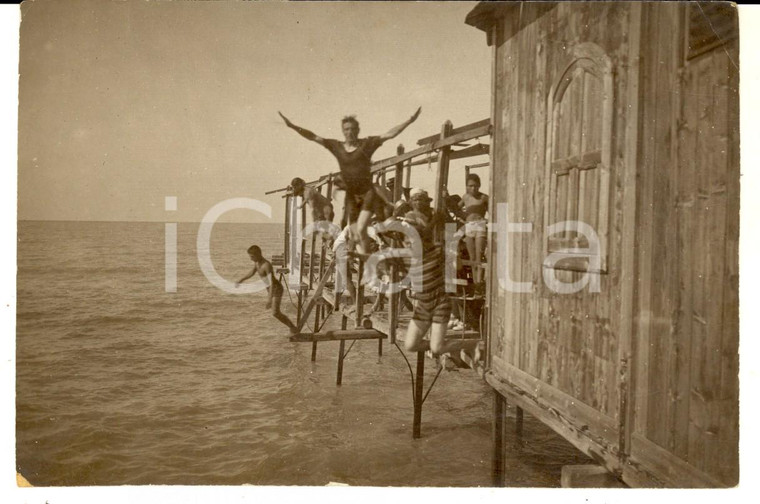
(354, 157)
(475, 205)
(432, 307)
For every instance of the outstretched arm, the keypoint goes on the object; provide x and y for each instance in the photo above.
(393, 132)
(249, 275)
(308, 135)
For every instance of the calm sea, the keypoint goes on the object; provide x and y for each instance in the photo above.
(120, 382)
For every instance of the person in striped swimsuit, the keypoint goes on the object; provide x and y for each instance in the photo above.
(431, 304)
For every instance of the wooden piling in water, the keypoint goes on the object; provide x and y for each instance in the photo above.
(418, 387)
(518, 421)
(497, 456)
(341, 351)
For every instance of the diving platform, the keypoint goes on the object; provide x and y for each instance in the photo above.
(377, 314)
(339, 335)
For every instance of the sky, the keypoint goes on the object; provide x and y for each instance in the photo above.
(124, 102)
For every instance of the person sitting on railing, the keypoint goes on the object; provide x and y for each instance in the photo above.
(475, 205)
(454, 214)
(264, 269)
(354, 157)
(321, 206)
(432, 306)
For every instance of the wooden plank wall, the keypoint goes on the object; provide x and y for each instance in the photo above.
(566, 349)
(686, 384)
(566, 341)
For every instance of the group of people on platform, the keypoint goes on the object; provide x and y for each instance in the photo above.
(366, 202)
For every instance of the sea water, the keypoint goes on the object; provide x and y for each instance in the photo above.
(120, 382)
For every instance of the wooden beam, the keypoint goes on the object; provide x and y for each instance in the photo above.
(418, 391)
(442, 175)
(631, 241)
(471, 151)
(338, 335)
(518, 421)
(446, 142)
(579, 436)
(399, 175)
(287, 232)
(456, 131)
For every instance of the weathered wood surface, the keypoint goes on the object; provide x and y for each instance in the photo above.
(688, 215)
(655, 353)
(567, 341)
(338, 335)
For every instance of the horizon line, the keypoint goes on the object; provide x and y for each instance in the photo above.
(141, 221)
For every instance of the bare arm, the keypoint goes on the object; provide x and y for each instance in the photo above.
(308, 196)
(393, 132)
(308, 135)
(249, 275)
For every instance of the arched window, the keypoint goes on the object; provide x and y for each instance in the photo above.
(578, 158)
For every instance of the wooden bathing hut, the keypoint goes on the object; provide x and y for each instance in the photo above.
(622, 116)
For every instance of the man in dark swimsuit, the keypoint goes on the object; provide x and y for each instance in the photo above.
(274, 287)
(354, 157)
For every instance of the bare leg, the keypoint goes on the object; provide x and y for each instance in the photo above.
(281, 316)
(350, 286)
(414, 334)
(329, 214)
(378, 304)
(362, 244)
(469, 242)
(480, 247)
(468, 350)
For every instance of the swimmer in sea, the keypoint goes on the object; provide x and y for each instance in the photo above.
(354, 157)
(274, 286)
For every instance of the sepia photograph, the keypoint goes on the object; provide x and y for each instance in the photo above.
(440, 245)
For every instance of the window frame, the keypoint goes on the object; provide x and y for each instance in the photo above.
(584, 57)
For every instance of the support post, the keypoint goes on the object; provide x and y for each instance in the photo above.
(316, 329)
(393, 307)
(519, 421)
(299, 307)
(442, 176)
(285, 254)
(497, 456)
(341, 351)
(399, 175)
(311, 260)
(359, 293)
(418, 391)
(408, 174)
